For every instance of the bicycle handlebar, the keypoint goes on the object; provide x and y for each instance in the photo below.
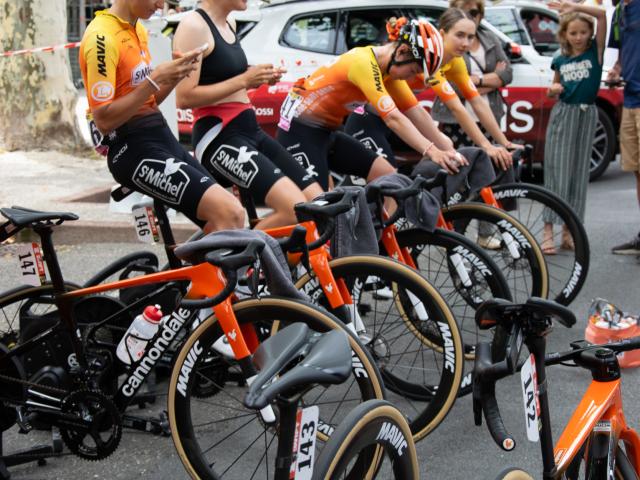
(620, 346)
(485, 375)
(229, 262)
(323, 211)
(376, 193)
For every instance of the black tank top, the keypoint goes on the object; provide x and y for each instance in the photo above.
(227, 60)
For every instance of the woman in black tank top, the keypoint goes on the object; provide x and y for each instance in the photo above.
(226, 136)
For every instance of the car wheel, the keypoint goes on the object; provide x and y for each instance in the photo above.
(604, 145)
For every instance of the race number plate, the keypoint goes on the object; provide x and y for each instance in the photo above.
(145, 224)
(288, 110)
(529, 382)
(304, 444)
(31, 264)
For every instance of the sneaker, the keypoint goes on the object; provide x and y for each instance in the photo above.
(628, 248)
(489, 243)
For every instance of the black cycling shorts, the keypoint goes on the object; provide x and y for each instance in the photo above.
(370, 130)
(146, 157)
(319, 150)
(244, 155)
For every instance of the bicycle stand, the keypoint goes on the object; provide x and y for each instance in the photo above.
(38, 454)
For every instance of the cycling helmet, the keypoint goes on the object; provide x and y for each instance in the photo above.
(423, 38)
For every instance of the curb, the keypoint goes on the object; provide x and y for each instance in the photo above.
(109, 232)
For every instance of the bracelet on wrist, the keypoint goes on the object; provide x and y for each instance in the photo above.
(153, 84)
(426, 150)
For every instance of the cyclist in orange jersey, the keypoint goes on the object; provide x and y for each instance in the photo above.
(312, 114)
(123, 93)
(457, 30)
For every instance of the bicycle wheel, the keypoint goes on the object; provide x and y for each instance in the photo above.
(372, 424)
(516, 251)
(215, 435)
(462, 272)
(26, 302)
(568, 268)
(409, 330)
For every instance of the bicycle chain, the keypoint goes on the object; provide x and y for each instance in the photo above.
(33, 384)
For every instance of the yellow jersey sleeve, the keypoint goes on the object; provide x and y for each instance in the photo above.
(402, 94)
(99, 63)
(364, 72)
(456, 72)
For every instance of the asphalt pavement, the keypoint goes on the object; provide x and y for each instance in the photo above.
(456, 450)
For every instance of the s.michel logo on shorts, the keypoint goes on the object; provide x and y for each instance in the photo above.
(236, 164)
(164, 178)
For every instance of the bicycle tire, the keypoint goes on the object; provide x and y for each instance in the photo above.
(15, 300)
(374, 427)
(185, 410)
(424, 401)
(567, 269)
(526, 274)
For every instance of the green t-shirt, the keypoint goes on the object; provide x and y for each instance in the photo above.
(580, 76)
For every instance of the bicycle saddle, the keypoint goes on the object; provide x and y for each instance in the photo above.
(326, 360)
(497, 311)
(22, 217)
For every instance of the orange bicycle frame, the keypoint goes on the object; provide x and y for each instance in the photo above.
(206, 281)
(601, 401)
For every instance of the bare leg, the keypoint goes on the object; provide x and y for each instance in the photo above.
(548, 245)
(282, 196)
(379, 168)
(220, 209)
(312, 191)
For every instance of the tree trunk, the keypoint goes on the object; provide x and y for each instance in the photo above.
(37, 97)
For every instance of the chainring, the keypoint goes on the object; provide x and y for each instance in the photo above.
(95, 432)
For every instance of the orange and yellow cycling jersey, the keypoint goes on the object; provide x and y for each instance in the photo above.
(114, 60)
(453, 72)
(333, 91)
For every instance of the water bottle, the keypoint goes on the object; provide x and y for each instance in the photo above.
(142, 329)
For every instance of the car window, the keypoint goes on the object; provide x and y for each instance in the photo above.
(315, 32)
(367, 27)
(505, 20)
(542, 29)
(430, 14)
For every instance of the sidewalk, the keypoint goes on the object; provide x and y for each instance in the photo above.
(55, 181)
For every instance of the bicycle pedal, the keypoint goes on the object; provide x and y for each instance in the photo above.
(24, 425)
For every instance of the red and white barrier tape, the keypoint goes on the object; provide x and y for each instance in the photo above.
(52, 48)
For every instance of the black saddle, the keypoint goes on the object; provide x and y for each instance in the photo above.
(24, 217)
(325, 359)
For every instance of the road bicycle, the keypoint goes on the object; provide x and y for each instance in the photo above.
(424, 380)
(89, 418)
(596, 442)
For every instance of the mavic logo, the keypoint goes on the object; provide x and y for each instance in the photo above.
(187, 367)
(449, 351)
(100, 54)
(511, 193)
(517, 234)
(473, 260)
(573, 281)
(392, 434)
